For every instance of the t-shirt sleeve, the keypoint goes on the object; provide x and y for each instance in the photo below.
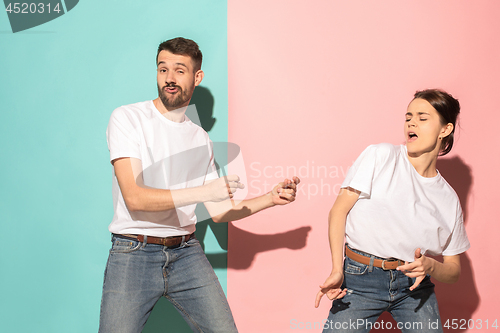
(360, 174)
(122, 136)
(212, 173)
(458, 242)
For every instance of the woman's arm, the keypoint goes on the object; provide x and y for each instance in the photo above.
(225, 211)
(447, 271)
(336, 233)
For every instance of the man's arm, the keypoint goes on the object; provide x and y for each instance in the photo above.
(140, 197)
(226, 211)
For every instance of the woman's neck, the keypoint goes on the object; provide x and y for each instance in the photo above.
(425, 164)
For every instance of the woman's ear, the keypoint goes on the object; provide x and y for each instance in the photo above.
(447, 130)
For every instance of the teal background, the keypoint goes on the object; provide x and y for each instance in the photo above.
(59, 83)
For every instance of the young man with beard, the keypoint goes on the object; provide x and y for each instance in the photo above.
(163, 166)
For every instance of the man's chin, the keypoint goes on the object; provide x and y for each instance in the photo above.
(175, 104)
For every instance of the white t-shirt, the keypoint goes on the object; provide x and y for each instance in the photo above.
(173, 155)
(399, 210)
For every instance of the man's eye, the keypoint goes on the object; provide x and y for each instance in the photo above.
(180, 72)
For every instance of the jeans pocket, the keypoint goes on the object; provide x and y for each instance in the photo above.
(121, 245)
(354, 268)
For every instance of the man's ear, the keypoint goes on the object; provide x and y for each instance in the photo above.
(198, 77)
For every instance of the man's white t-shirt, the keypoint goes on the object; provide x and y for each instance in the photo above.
(173, 156)
(399, 210)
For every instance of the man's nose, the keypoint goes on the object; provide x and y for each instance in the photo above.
(170, 78)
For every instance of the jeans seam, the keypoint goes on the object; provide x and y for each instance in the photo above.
(102, 297)
(180, 308)
(165, 273)
(222, 295)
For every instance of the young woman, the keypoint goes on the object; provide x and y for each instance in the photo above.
(395, 210)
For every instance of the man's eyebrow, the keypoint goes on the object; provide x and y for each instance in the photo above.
(177, 63)
(181, 64)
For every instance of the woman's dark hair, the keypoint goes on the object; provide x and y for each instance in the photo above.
(448, 108)
(182, 46)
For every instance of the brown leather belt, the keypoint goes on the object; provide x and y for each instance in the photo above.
(166, 241)
(384, 264)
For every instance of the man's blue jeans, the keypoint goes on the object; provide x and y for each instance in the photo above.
(372, 290)
(138, 274)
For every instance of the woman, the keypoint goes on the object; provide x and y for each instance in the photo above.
(395, 210)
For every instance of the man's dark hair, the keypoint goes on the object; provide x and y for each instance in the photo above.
(182, 46)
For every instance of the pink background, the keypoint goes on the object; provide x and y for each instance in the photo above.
(311, 84)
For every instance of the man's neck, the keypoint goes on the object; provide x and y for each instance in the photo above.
(175, 115)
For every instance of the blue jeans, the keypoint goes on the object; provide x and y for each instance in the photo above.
(138, 274)
(372, 290)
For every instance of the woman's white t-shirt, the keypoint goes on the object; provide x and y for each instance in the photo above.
(399, 210)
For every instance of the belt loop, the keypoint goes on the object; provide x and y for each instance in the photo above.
(370, 268)
(183, 239)
(145, 241)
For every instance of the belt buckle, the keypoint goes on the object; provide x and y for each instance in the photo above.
(390, 261)
(383, 264)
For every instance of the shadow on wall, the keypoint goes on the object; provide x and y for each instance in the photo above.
(164, 317)
(243, 256)
(459, 300)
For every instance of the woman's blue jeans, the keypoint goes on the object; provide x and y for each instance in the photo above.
(138, 274)
(372, 290)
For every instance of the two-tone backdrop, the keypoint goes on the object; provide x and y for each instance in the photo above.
(301, 86)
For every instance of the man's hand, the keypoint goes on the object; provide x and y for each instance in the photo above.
(285, 192)
(418, 269)
(223, 188)
(331, 287)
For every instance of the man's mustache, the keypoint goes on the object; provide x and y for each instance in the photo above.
(171, 86)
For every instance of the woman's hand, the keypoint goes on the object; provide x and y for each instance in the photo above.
(331, 287)
(285, 192)
(418, 269)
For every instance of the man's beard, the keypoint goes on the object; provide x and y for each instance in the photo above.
(181, 98)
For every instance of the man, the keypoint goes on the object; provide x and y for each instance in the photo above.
(163, 166)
